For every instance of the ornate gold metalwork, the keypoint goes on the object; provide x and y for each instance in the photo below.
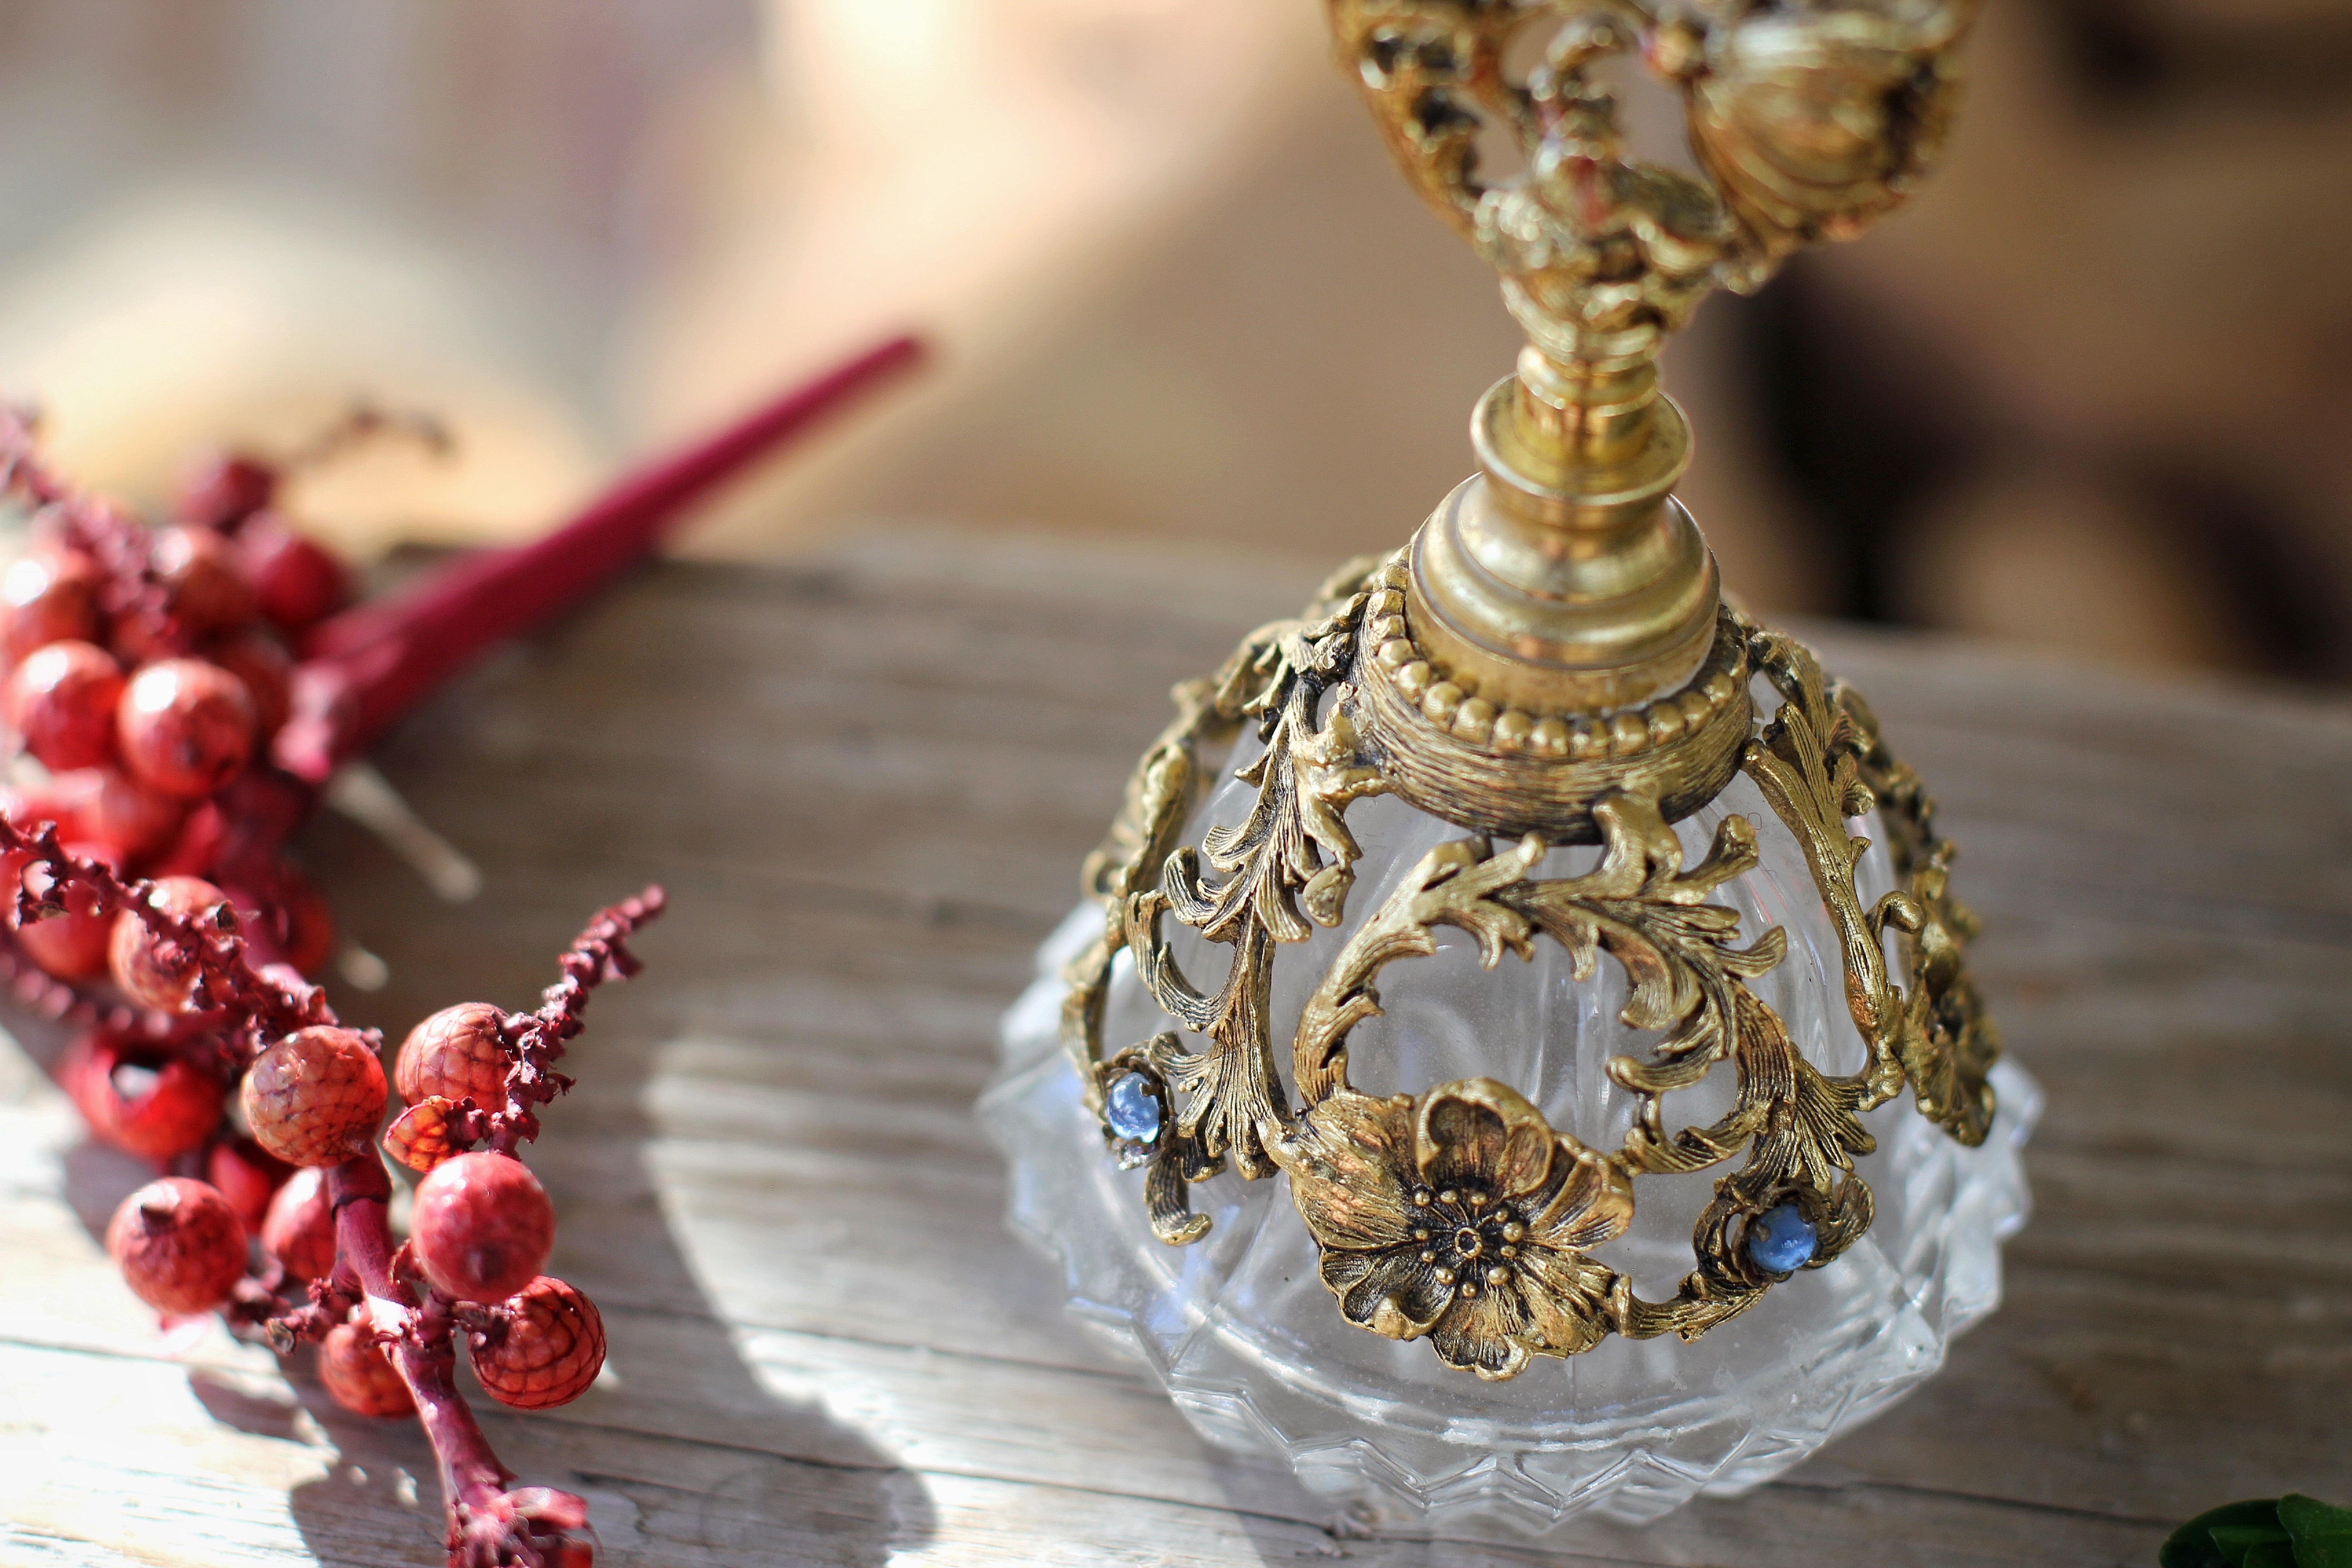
(1463, 1216)
(1550, 663)
(1819, 760)
(1563, 578)
(1513, 772)
(1288, 864)
(1685, 976)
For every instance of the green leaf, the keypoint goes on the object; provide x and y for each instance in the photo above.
(2197, 1545)
(2322, 1534)
(2255, 1545)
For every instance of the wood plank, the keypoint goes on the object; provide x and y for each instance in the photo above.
(867, 783)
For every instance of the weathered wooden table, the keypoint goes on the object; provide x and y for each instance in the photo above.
(868, 783)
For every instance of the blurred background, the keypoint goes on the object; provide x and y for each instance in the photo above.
(2093, 391)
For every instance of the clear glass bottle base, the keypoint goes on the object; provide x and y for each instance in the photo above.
(1252, 1349)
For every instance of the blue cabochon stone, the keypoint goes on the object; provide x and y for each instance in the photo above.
(1133, 1111)
(1781, 1240)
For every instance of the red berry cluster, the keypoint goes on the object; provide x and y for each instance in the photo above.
(144, 675)
(170, 746)
(148, 672)
(309, 1182)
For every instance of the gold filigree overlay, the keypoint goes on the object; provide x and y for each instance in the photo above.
(1371, 1175)
(1548, 662)
(1809, 120)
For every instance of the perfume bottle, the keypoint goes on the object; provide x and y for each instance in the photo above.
(1515, 1055)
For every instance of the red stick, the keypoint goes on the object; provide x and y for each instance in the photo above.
(367, 667)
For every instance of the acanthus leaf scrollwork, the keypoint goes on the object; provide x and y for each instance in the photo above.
(1288, 867)
(1285, 868)
(1819, 762)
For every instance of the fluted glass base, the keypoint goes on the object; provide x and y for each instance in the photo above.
(1253, 1349)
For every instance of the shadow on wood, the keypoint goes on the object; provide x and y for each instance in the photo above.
(687, 1455)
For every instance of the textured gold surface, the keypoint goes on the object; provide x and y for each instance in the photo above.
(1352, 1160)
(1549, 662)
(1560, 579)
(1513, 772)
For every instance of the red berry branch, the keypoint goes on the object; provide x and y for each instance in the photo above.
(172, 745)
(388, 1315)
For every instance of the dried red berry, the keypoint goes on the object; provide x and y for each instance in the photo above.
(221, 490)
(204, 579)
(299, 1230)
(262, 663)
(48, 596)
(179, 1244)
(299, 582)
(144, 635)
(455, 1053)
(155, 971)
(482, 1227)
(359, 1377)
(71, 946)
(185, 726)
(143, 1098)
(544, 1347)
(247, 1175)
(109, 814)
(61, 701)
(424, 1134)
(315, 1097)
(286, 921)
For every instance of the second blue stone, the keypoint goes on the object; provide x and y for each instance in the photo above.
(1132, 1108)
(1781, 1240)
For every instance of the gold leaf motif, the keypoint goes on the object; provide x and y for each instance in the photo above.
(1948, 1046)
(1452, 884)
(1683, 970)
(1817, 760)
(1288, 864)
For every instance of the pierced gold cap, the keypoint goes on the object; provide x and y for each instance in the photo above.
(1564, 577)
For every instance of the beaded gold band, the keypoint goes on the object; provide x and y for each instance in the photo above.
(1517, 773)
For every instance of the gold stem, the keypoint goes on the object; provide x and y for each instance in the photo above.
(1564, 578)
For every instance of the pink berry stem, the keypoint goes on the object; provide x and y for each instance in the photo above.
(538, 1040)
(487, 1527)
(116, 540)
(366, 668)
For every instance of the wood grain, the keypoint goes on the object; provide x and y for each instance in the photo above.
(867, 783)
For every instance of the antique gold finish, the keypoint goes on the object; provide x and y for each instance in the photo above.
(1562, 579)
(1289, 867)
(1549, 662)
(1511, 771)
